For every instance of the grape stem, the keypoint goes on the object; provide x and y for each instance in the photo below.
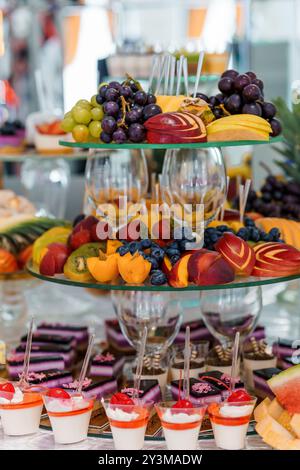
(124, 104)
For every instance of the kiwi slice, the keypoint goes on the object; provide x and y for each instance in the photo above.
(76, 268)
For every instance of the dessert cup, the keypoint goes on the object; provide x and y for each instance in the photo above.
(180, 426)
(69, 417)
(128, 423)
(230, 422)
(196, 368)
(20, 412)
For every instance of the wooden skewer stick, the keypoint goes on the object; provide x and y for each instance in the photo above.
(198, 74)
(179, 73)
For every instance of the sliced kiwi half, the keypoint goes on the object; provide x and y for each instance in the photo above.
(75, 267)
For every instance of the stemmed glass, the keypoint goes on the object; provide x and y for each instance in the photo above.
(110, 175)
(192, 177)
(160, 312)
(227, 311)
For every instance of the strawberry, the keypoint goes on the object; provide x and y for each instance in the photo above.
(7, 387)
(58, 393)
(183, 404)
(239, 396)
(121, 399)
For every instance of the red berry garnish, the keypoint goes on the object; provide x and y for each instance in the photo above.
(121, 399)
(80, 238)
(7, 387)
(58, 393)
(183, 404)
(239, 396)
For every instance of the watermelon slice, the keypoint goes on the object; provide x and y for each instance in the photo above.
(286, 386)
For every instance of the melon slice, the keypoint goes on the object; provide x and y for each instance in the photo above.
(261, 411)
(295, 424)
(294, 444)
(275, 409)
(285, 387)
(273, 433)
(285, 420)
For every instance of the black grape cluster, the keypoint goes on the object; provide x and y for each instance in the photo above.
(242, 94)
(126, 107)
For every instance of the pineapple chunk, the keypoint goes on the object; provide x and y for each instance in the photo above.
(295, 424)
(275, 409)
(285, 421)
(261, 411)
(273, 433)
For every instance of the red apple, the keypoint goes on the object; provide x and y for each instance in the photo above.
(276, 259)
(237, 253)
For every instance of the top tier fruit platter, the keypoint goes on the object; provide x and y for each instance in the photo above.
(124, 114)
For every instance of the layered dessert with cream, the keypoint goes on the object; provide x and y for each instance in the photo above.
(221, 381)
(93, 388)
(65, 351)
(69, 415)
(128, 420)
(201, 392)
(149, 391)
(40, 339)
(80, 333)
(116, 339)
(181, 423)
(285, 347)
(20, 411)
(230, 420)
(106, 364)
(50, 378)
(15, 364)
(196, 368)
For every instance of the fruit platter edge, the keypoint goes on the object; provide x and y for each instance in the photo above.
(238, 283)
(228, 143)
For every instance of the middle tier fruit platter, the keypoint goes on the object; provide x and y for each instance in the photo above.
(232, 251)
(122, 112)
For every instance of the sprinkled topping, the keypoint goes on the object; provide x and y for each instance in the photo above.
(131, 391)
(108, 357)
(15, 357)
(35, 376)
(202, 387)
(86, 383)
(226, 379)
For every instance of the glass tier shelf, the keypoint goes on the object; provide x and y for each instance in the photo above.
(239, 282)
(145, 146)
(33, 154)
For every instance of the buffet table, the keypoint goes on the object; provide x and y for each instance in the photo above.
(44, 441)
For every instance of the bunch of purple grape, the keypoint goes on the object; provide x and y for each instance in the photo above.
(278, 199)
(126, 107)
(243, 94)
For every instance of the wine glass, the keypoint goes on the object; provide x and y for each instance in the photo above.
(227, 311)
(114, 174)
(193, 177)
(160, 312)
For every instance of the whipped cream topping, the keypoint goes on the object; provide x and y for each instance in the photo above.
(57, 405)
(235, 411)
(17, 397)
(170, 417)
(120, 415)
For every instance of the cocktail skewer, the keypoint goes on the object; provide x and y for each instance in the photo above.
(187, 358)
(139, 366)
(235, 357)
(85, 364)
(24, 375)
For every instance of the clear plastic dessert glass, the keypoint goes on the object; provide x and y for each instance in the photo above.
(20, 411)
(69, 417)
(181, 426)
(230, 422)
(128, 423)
